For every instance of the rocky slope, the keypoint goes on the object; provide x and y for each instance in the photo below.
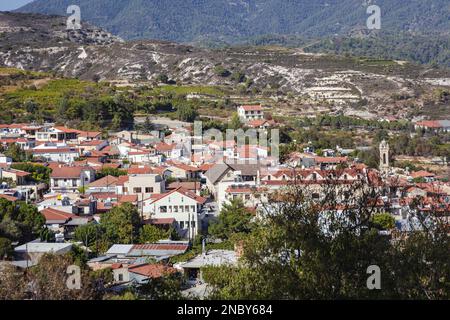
(42, 43)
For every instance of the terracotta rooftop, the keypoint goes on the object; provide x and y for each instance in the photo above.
(152, 270)
(252, 108)
(56, 215)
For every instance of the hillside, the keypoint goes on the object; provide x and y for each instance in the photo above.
(293, 81)
(193, 20)
(416, 31)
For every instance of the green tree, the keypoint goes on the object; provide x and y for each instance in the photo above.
(162, 78)
(16, 153)
(151, 234)
(20, 221)
(39, 173)
(185, 112)
(384, 221)
(148, 126)
(47, 235)
(115, 172)
(221, 71)
(121, 224)
(233, 219)
(116, 123)
(88, 234)
(319, 253)
(6, 249)
(235, 122)
(167, 287)
(238, 77)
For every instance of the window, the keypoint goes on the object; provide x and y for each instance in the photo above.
(187, 224)
(186, 208)
(247, 197)
(149, 190)
(315, 196)
(193, 224)
(175, 209)
(125, 189)
(193, 208)
(163, 209)
(181, 224)
(137, 190)
(120, 277)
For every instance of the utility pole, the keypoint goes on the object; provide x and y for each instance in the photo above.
(142, 207)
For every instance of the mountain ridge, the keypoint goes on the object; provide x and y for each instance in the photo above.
(225, 20)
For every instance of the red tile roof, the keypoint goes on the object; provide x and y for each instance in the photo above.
(90, 134)
(53, 214)
(131, 198)
(68, 172)
(161, 246)
(160, 221)
(331, 159)
(56, 150)
(122, 179)
(164, 147)
(9, 198)
(152, 270)
(140, 170)
(104, 182)
(422, 174)
(67, 130)
(252, 108)
(429, 124)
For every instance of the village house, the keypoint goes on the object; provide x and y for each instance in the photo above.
(70, 179)
(140, 274)
(106, 184)
(132, 254)
(249, 113)
(88, 146)
(63, 223)
(143, 185)
(4, 160)
(222, 175)
(23, 143)
(19, 177)
(180, 204)
(59, 152)
(30, 253)
(57, 134)
(436, 126)
(183, 171)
